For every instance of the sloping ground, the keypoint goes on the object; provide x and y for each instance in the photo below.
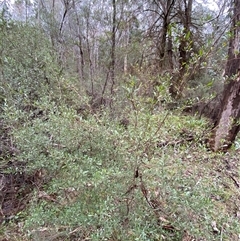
(15, 185)
(225, 200)
(155, 180)
(14, 188)
(202, 193)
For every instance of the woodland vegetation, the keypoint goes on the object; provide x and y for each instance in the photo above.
(119, 120)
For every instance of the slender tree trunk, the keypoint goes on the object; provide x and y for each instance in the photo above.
(170, 50)
(126, 43)
(38, 13)
(66, 9)
(26, 11)
(185, 48)
(81, 62)
(162, 44)
(227, 124)
(167, 6)
(89, 55)
(113, 48)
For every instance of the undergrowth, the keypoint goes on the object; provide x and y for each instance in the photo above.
(154, 179)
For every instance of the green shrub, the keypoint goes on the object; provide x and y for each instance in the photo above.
(148, 181)
(29, 67)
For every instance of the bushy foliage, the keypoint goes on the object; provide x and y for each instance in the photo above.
(29, 66)
(106, 182)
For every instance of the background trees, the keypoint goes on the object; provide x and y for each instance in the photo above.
(157, 34)
(183, 41)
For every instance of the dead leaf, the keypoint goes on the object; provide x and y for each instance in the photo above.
(166, 224)
(163, 220)
(187, 236)
(168, 227)
(47, 197)
(214, 227)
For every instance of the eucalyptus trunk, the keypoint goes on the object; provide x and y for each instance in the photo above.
(227, 124)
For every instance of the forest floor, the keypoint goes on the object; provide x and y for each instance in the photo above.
(158, 181)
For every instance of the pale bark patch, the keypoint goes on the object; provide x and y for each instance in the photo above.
(223, 127)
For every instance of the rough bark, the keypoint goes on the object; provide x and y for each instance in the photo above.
(227, 124)
(165, 11)
(185, 49)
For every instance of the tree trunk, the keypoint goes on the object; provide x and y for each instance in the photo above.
(126, 43)
(81, 63)
(166, 8)
(227, 124)
(170, 50)
(185, 49)
(113, 47)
